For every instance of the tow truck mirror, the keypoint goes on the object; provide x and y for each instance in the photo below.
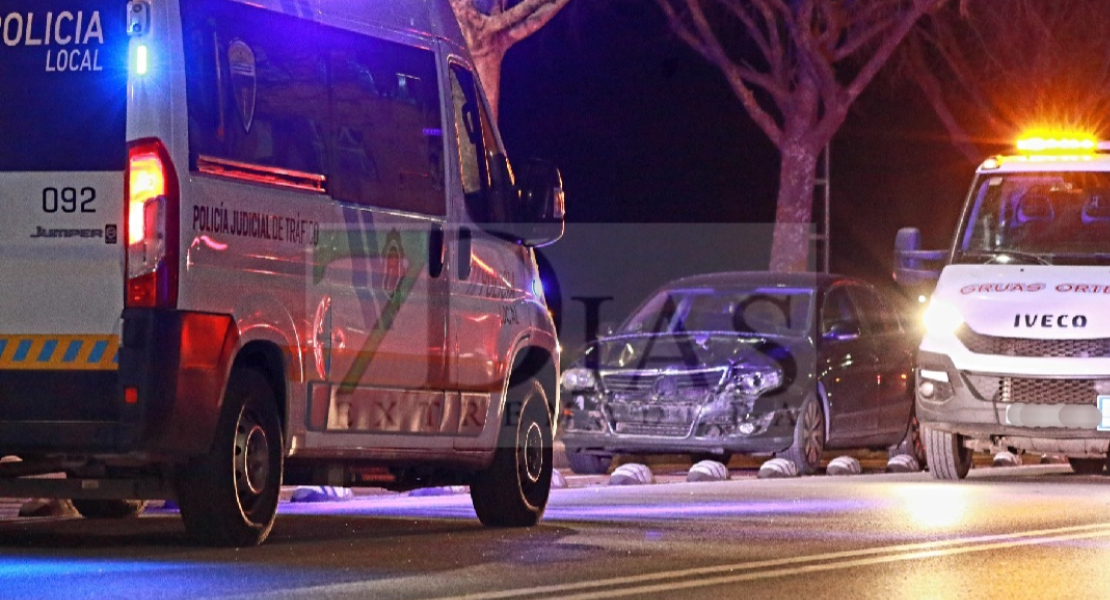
(912, 265)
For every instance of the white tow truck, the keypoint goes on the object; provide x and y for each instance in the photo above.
(1016, 349)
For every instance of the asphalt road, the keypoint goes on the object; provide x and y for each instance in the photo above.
(1024, 532)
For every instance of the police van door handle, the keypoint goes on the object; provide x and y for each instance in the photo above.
(435, 251)
(464, 253)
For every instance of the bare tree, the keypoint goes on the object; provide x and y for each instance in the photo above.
(492, 27)
(796, 66)
(993, 69)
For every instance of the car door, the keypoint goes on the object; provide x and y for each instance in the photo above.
(889, 342)
(848, 369)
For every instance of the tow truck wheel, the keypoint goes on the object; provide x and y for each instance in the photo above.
(108, 509)
(513, 491)
(583, 463)
(1087, 466)
(947, 455)
(229, 497)
(809, 438)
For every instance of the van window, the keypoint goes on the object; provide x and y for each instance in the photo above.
(257, 87)
(388, 133)
(271, 90)
(63, 105)
(476, 142)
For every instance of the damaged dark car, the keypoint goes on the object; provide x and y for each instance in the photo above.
(746, 363)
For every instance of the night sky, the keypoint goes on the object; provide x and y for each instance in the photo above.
(647, 131)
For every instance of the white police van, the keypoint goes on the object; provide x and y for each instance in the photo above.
(254, 243)
(1016, 350)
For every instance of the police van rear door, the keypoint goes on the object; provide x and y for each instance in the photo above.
(63, 153)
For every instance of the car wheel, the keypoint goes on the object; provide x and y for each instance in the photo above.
(229, 496)
(947, 456)
(809, 438)
(513, 491)
(583, 463)
(912, 444)
(1087, 466)
(108, 509)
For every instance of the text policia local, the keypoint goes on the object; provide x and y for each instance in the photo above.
(72, 40)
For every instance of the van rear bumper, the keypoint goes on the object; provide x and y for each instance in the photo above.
(163, 401)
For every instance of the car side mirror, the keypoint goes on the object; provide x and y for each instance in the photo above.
(842, 331)
(912, 265)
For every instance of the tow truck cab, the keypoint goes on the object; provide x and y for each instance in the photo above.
(1016, 349)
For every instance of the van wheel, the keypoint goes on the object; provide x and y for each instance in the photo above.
(809, 438)
(108, 509)
(1083, 466)
(948, 457)
(513, 491)
(229, 496)
(588, 464)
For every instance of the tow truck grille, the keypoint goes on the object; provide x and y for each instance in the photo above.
(1047, 391)
(1027, 347)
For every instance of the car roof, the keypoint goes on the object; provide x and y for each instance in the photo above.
(813, 281)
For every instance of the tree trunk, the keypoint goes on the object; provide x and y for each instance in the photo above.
(790, 249)
(488, 65)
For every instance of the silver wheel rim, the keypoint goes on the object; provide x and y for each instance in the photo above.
(251, 459)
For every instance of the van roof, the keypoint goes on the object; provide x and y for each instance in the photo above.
(431, 18)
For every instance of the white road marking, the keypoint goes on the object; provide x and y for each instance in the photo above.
(772, 568)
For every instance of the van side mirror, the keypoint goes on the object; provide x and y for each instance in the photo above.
(542, 204)
(530, 211)
(912, 265)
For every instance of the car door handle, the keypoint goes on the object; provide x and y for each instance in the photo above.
(435, 251)
(465, 244)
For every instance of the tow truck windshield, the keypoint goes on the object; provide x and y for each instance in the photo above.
(1046, 218)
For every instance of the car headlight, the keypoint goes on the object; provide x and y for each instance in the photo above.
(941, 318)
(755, 381)
(579, 379)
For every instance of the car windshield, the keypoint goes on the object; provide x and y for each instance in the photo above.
(1038, 218)
(770, 310)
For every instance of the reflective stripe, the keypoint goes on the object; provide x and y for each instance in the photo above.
(59, 352)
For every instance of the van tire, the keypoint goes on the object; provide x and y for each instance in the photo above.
(948, 458)
(108, 509)
(229, 496)
(513, 490)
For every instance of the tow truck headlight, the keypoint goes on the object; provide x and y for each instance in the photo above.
(579, 379)
(942, 318)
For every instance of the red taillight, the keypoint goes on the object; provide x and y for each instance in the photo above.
(146, 179)
(152, 210)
